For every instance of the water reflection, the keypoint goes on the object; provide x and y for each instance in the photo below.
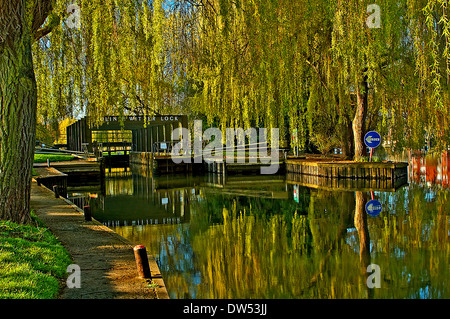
(429, 170)
(264, 237)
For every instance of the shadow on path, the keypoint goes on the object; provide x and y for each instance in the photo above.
(106, 260)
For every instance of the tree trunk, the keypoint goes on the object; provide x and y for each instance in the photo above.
(347, 141)
(18, 98)
(359, 120)
(360, 221)
(362, 228)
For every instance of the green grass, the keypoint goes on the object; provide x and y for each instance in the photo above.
(375, 159)
(113, 153)
(42, 158)
(33, 262)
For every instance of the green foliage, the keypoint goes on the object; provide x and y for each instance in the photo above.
(32, 262)
(152, 285)
(44, 135)
(285, 64)
(42, 158)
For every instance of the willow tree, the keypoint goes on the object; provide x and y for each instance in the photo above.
(320, 67)
(398, 73)
(20, 25)
(313, 66)
(112, 62)
(286, 64)
(234, 57)
(427, 114)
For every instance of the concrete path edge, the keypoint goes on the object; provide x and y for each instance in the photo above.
(106, 259)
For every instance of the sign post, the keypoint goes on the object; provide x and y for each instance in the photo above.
(372, 139)
(295, 141)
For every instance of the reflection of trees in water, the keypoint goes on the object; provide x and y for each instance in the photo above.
(310, 256)
(248, 256)
(171, 245)
(118, 181)
(322, 252)
(412, 243)
(360, 221)
(271, 256)
(212, 205)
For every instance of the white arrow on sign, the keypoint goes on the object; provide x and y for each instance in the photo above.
(372, 208)
(369, 139)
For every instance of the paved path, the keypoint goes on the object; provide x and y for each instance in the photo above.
(106, 260)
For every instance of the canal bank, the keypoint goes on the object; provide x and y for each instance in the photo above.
(341, 169)
(106, 260)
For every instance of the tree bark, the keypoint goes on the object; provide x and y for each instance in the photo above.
(18, 99)
(360, 221)
(348, 141)
(359, 120)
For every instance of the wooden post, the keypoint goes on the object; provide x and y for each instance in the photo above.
(140, 254)
(55, 189)
(87, 213)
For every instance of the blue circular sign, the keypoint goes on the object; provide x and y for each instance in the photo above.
(373, 207)
(372, 139)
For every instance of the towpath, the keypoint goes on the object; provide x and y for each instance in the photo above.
(106, 260)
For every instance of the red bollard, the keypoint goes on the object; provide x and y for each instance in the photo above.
(140, 254)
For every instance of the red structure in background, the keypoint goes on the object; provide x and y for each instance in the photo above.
(415, 162)
(429, 169)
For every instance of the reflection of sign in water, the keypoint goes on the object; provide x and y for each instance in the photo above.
(294, 137)
(164, 200)
(373, 207)
(163, 146)
(296, 195)
(372, 139)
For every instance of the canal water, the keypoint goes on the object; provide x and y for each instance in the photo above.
(268, 237)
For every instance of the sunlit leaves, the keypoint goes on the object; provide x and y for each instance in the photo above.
(254, 63)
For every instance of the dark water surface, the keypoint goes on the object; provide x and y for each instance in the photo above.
(267, 237)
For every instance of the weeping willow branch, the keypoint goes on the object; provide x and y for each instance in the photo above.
(40, 12)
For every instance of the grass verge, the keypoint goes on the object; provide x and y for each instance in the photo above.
(33, 263)
(42, 158)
